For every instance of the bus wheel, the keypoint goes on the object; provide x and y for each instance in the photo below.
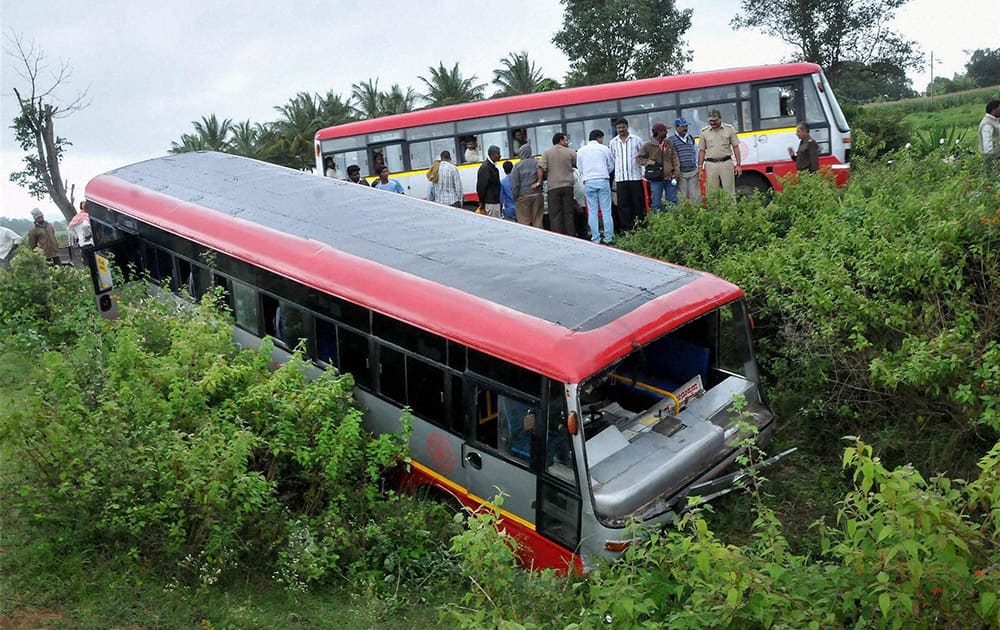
(749, 183)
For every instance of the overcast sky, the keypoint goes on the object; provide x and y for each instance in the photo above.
(150, 69)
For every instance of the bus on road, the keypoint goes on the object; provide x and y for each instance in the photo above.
(764, 104)
(593, 387)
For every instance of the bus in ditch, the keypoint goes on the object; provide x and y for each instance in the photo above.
(593, 387)
(763, 103)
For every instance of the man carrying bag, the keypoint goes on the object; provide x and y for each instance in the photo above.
(661, 164)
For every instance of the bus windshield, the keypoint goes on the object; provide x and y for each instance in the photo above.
(663, 416)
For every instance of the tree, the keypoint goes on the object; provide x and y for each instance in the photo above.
(300, 119)
(840, 35)
(449, 87)
(396, 101)
(520, 76)
(367, 99)
(370, 102)
(334, 110)
(984, 67)
(621, 40)
(210, 134)
(34, 125)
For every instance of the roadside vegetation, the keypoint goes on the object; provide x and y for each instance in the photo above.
(152, 475)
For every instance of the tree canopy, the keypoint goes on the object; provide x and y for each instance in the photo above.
(842, 36)
(449, 87)
(984, 66)
(621, 40)
(519, 75)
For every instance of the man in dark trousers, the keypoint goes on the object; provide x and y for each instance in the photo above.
(488, 183)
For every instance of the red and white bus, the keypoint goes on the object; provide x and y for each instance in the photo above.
(593, 387)
(764, 104)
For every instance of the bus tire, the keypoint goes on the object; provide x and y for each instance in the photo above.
(750, 183)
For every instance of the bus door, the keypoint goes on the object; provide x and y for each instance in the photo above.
(777, 108)
(496, 454)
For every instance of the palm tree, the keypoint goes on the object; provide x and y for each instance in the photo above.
(520, 76)
(214, 133)
(209, 135)
(188, 143)
(299, 122)
(367, 99)
(395, 101)
(245, 139)
(334, 110)
(447, 87)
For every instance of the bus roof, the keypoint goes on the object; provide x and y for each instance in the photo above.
(567, 96)
(558, 305)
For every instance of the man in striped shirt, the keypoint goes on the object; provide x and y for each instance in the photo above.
(628, 177)
(448, 187)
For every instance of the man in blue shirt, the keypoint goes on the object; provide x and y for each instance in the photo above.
(384, 183)
(506, 195)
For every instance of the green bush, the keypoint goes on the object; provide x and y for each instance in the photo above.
(876, 305)
(154, 437)
(905, 552)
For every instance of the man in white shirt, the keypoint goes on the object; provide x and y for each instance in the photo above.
(628, 176)
(989, 134)
(595, 163)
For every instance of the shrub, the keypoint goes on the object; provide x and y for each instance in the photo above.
(876, 305)
(154, 437)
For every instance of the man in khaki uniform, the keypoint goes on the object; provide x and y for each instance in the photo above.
(719, 154)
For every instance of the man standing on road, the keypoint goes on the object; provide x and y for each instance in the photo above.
(688, 184)
(596, 163)
(628, 177)
(488, 183)
(719, 154)
(989, 135)
(448, 187)
(558, 163)
(526, 186)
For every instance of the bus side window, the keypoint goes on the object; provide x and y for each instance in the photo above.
(516, 419)
(425, 390)
(354, 356)
(291, 324)
(470, 149)
(245, 307)
(326, 341)
(486, 416)
(776, 106)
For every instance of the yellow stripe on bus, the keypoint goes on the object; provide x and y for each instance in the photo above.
(465, 491)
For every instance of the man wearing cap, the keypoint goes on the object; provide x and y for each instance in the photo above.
(659, 152)
(719, 154)
(628, 176)
(354, 175)
(43, 235)
(688, 184)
